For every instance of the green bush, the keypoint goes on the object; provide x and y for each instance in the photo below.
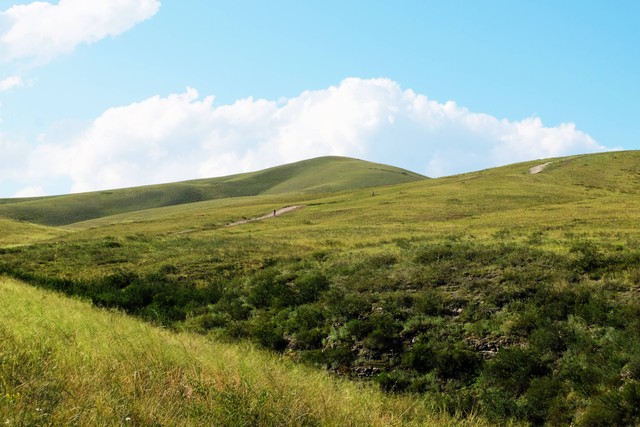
(421, 357)
(394, 381)
(587, 257)
(615, 408)
(309, 286)
(513, 369)
(384, 336)
(541, 395)
(269, 333)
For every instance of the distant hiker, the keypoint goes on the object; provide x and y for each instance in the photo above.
(274, 212)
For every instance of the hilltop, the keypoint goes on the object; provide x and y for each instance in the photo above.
(320, 175)
(571, 194)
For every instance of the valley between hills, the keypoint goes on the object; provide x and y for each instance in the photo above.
(499, 296)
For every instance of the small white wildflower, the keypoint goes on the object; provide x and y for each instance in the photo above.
(128, 419)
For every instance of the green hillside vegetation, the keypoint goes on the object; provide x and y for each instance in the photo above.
(63, 362)
(499, 292)
(319, 175)
(21, 233)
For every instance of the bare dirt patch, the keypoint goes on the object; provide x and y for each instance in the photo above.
(537, 169)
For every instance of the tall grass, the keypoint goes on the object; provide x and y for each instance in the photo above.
(64, 362)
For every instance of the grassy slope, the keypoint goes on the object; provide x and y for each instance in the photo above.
(370, 246)
(64, 362)
(587, 194)
(573, 198)
(20, 233)
(310, 176)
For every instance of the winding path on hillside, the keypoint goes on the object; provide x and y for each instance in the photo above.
(273, 214)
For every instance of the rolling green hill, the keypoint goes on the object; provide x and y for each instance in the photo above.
(319, 175)
(498, 292)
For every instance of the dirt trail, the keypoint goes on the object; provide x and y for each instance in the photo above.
(267, 216)
(537, 169)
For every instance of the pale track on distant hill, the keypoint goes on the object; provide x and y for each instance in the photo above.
(267, 216)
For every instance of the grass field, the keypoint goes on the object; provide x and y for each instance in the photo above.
(64, 362)
(499, 292)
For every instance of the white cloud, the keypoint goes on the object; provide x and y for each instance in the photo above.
(30, 191)
(10, 83)
(13, 153)
(40, 31)
(181, 136)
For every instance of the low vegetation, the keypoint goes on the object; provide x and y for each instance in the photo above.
(63, 362)
(499, 293)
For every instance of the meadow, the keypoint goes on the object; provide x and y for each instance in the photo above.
(497, 294)
(64, 362)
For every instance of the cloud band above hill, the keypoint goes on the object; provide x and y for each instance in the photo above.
(182, 136)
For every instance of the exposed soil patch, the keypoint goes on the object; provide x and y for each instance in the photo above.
(537, 169)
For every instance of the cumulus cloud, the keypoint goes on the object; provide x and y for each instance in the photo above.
(13, 153)
(182, 136)
(40, 31)
(10, 83)
(30, 191)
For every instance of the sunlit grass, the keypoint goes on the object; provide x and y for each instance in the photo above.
(21, 233)
(64, 362)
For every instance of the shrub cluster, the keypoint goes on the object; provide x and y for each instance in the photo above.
(510, 330)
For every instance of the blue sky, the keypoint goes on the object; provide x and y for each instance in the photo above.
(143, 91)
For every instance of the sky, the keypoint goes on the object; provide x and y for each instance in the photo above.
(101, 94)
